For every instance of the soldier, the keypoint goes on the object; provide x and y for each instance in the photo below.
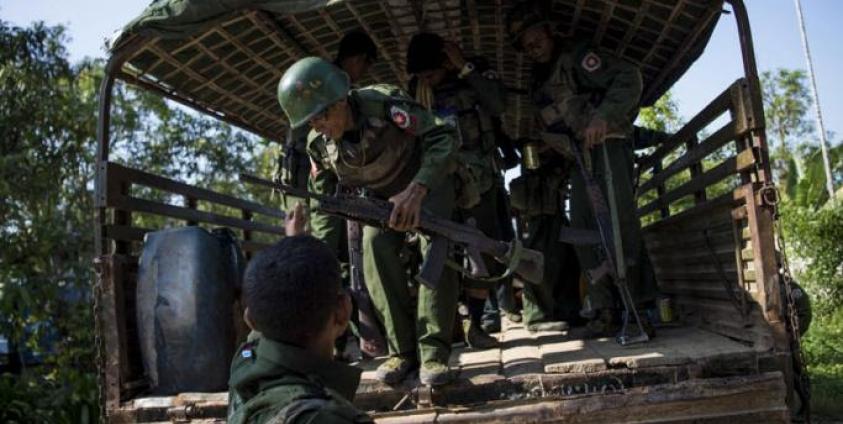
(565, 68)
(470, 96)
(379, 139)
(284, 373)
(357, 52)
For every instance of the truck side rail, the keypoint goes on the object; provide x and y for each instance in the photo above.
(708, 231)
(132, 200)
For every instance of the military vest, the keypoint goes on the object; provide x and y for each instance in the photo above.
(378, 155)
(457, 103)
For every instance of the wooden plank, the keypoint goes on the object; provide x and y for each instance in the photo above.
(572, 356)
(760, 224)
(731, 166)
(737, 400)
(147, 206)
(715, 141)
(520, 353)
(118, 172)
(725, 203)
(717, 107)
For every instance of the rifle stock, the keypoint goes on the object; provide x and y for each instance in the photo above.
(529, 264)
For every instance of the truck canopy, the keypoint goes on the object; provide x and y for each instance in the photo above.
(225, 58)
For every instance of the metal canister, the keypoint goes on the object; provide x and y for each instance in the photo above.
(666, 309)
(531, 155)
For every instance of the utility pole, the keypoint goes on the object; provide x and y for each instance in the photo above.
(829, 183)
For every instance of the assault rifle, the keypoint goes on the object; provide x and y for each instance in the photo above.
(564, 120)
(374, 343)
(526, 263)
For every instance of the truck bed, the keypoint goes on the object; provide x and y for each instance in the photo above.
(685, 373)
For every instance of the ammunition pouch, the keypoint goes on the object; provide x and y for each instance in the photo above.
(537, 194)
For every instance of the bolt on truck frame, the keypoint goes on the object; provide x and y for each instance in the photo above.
(713, 250)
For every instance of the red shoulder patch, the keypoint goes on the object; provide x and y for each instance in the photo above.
(400, 117)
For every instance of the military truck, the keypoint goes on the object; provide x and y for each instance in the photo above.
(712, 238)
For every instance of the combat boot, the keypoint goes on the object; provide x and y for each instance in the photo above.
(476, 338)
(548, 326)
(435, 373)
(513, 317)
(395, 369)
(602, 325)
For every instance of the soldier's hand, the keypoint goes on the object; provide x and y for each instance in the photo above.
(406, 212)
(452, 50)
(595, 133)
(295, 224)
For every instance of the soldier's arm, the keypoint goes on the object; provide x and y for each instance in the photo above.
(491, 93)
(621, 81)
(437, 138)
(322, 181)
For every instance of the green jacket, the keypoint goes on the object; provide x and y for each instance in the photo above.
(613, 85)
(472, 104)
(385, 117)
(272, 380)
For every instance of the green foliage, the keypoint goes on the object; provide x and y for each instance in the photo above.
(48, 125)
(662, 116)
(814, 243)
(786, 103)
(823, 348)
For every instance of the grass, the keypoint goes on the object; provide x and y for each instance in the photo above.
(823, 347)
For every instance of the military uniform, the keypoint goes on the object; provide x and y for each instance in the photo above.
(471, 103)
(613, 88)
(395, 142)
(273, 382)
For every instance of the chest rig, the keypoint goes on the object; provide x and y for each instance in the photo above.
(458, 104)
(381, 158)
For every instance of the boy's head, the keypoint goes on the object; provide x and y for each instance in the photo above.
(293, 293)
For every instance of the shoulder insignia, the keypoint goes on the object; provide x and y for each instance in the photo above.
(490, 74)
(591, 62)
(400, 117)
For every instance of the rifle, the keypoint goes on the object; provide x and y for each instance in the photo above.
(606, 215)
(527, 263)
(374, 343)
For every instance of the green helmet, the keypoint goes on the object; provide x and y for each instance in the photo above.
(526, 15)
(308, 87)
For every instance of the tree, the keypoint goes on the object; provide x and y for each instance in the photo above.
(47, 126)
(786, 103)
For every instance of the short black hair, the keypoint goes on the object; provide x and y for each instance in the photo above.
(425, 52)
(356, 43)
(291, 288)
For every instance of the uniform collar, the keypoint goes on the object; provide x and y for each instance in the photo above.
(336, 376)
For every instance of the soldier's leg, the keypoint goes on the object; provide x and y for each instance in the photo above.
(386, 280)
(541, 304)
(485, 218)
(437, 307)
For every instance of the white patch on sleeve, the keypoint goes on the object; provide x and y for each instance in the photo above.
(591, 62)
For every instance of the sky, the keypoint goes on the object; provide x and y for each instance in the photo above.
(774, 25)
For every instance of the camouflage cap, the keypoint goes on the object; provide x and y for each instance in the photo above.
(526, 15)
(308, 87)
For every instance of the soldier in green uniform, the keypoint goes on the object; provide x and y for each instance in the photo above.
(379, 139)
(565, 68)
(357, 52)
(469, 95)
(285, 373)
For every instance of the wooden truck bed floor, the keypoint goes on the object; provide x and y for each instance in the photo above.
(548, 374)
